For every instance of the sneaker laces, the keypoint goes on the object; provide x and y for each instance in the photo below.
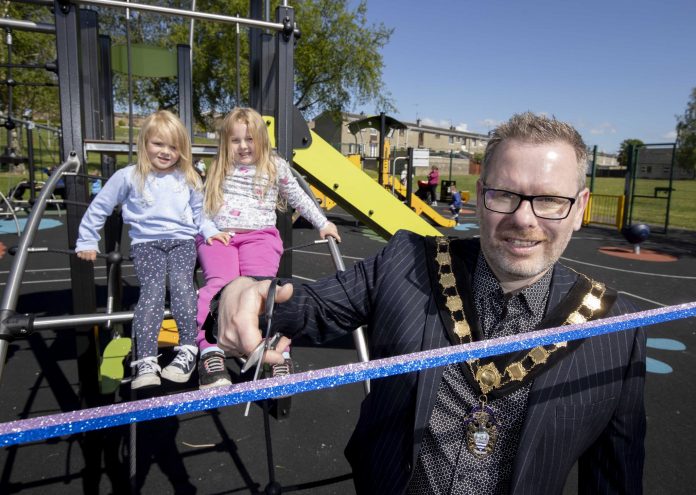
(146, 365)
(281, 369)
(182, 359)
(214, 363)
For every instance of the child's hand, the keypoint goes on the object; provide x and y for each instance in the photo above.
(223, 237)
(87, 255)
(329, 230)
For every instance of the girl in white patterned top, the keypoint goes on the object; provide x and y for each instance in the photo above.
(245, 185)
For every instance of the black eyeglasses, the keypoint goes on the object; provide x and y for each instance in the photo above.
(543, 206)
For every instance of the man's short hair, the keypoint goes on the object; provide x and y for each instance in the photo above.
(538, 129)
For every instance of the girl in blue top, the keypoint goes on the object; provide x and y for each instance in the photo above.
(161, 200)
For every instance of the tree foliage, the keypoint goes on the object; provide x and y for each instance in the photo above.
(623, 150)
(686, 135)
(338, 64)
(29, 48)
(338, 61)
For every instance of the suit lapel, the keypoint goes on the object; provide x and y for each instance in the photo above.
(434, 337)
(544, 396)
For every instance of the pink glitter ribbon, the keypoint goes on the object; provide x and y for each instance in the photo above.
(40, 428)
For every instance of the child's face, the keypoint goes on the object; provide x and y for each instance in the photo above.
(163, 155)
(242, 144)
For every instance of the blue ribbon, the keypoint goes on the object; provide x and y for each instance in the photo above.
(69, 423)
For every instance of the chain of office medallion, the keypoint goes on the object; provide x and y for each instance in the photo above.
(488, 376)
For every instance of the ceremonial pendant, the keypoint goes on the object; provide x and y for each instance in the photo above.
(481, 431)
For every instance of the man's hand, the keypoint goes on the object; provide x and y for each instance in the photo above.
(241, 302)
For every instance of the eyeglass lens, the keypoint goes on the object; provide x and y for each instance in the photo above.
(551, 207)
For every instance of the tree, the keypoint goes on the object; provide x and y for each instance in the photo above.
(686, 135)
(337, 59)
(338, 64)
(623, 150)
(30, 48)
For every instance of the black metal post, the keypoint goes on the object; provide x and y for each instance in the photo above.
(594, 168)
(89, 71)
(382, 131)
(671, 182)
(8, 40)
(30, 163)
(285, 78)
(81, 272)
(409, 178)
(255, 57)
(113, 228)
(627, 184)
(450, 168)
(185, 79)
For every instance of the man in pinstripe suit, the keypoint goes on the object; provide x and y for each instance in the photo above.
(510, 424)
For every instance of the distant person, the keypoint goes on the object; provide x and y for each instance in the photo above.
(456, 204)
(161, 199)
(404, 177)
(96, 186)
(201, 167)
(246, 184)
(433, 181)
(507, 424)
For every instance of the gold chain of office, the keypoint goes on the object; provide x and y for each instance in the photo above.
(488, 376)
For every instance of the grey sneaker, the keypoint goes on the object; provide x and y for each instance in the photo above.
(183, 364)
(147, 373)
(212, 371)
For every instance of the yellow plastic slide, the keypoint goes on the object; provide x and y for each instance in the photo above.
(419, 206)
(356, 192)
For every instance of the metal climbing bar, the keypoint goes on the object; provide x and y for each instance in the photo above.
(276, 26)
(14, 279)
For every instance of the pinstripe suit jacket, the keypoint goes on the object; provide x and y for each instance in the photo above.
(586, 407)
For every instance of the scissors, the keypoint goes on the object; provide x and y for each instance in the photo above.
(269, 341)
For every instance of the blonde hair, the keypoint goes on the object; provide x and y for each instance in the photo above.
(537, 129)
(167, 126)
(223, 164)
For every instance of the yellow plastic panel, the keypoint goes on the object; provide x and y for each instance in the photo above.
(354, 191)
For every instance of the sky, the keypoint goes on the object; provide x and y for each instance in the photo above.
(615, 69)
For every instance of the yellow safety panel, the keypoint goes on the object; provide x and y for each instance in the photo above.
(324, 201)
(420, 206)
(169, 334)
(356, 192)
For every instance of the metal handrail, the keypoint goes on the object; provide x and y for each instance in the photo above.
(359, 338)
(14, 279)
